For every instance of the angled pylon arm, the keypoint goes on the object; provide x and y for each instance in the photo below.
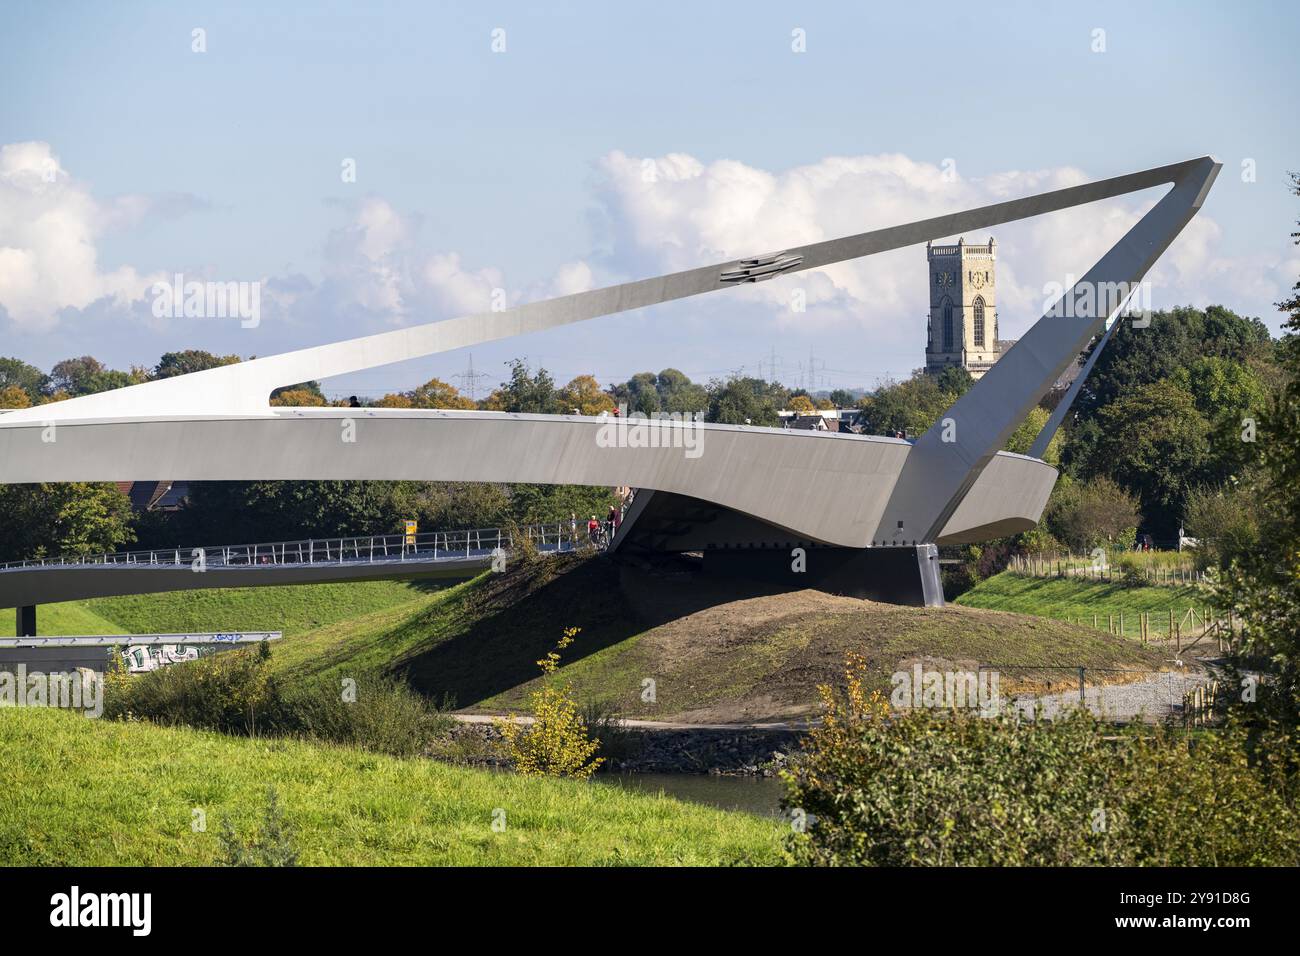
(946, 461)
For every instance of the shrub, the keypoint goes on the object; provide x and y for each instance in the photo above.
(385, 716)
(616, 742)
(1091, 514)
(938, 788)
(557, 743)
(228, 692)
(234, 692)
(272, 847)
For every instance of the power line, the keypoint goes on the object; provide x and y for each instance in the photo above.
(469, 379)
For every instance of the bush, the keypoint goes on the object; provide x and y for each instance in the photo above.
(557, 743)
(235, 693)
(382, 715)
(228, 691)
(946, 788)
(1092, 514)
(616, 741)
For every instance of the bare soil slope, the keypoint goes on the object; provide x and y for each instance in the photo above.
(676, 645)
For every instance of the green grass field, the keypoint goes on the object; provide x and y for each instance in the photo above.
(293, 610)
(82, 792)
(1072, 599)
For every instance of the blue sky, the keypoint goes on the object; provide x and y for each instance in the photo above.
(524, 169)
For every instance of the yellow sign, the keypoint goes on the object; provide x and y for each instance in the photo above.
(412, 527)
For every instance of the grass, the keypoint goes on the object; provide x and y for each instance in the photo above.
(745, 659)
(74, 617)
(82, 792)
(1072, 599)
(714, 658)
(294, 610)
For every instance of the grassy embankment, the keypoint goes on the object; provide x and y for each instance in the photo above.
(1076, 599)
(715, 653)
(85, 792)
(293, 610)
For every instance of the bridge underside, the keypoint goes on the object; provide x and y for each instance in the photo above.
(731, 544)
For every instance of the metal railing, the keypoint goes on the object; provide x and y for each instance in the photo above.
(555, 536)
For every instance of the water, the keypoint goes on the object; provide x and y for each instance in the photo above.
(758, 795)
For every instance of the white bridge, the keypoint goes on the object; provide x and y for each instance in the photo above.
(868, 512)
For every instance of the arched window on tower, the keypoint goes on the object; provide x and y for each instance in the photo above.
(947, 325)
(979, 322)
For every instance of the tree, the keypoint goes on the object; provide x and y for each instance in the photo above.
(802, 404)
(74, 375)
(1225, 522)
(679, 395)
(87, 375)
(18, 374)
(955, 381)
(304, 393)
(640, 394)
(525, 392)
(1229, 395)
(436, 393)
(669, 391)
(1174, 340)
(1263, 583)
(298, 397)
(842, 398)
(239, 511)
(584, 396)
(12, 396)
(190, 360)
(909, 407)
(740, 401)
(1090, 514)
(1022, 439)
(1154, 443)
(64, 518)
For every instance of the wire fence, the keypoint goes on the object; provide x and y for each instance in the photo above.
(1157, 569)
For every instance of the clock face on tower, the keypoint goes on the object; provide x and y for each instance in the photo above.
(977, 280)
(943, 279)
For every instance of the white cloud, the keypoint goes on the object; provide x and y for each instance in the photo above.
(49, 226)
(675, 212)
(660, 214)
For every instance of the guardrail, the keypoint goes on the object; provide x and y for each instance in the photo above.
(426, 546)
(231, 638)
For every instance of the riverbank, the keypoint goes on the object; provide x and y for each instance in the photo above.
(83, 792)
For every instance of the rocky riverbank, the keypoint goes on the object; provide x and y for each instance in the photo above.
(728, 751)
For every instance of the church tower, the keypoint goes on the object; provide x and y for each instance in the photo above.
(963, 323)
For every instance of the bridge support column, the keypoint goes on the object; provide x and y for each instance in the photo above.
(907, 575)
(26, 621)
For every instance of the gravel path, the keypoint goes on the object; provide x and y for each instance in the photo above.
(1152, 699)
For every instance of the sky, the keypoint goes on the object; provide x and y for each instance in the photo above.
(525, 150)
